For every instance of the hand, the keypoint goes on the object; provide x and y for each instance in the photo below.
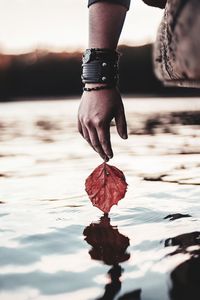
(96, 111)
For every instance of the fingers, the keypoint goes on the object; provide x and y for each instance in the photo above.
(121, 125)
(96, 143)
(90, 135)
(104, 138)
(98, 137)
(84, 132)
(80, 128)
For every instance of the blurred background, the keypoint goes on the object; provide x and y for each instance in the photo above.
(41, 44)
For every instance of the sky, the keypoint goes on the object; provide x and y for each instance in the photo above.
(62, 25)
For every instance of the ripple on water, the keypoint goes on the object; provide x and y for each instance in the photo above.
(56, 245)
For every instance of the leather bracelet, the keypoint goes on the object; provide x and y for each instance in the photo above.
(98, 88)
(100, 66)
(100, 54)
(100, 72)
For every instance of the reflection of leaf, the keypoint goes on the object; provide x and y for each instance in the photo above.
(106, 186)
(135, 295)
(108, 244)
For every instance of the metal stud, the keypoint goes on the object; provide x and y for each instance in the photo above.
(104, 78)
(104, 64)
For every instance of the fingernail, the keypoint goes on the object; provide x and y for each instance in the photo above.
(125, 136)
(110, 156)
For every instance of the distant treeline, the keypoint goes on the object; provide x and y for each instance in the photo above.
(45, 74)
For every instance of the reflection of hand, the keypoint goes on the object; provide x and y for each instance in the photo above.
(96, 111)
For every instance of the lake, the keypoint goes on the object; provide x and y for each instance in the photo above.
(56, 245)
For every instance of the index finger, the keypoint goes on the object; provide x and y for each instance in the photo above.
(104, 139)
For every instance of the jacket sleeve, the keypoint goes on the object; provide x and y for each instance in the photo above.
(125, 3)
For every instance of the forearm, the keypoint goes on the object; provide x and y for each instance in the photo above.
(105, 24)
(98, 108)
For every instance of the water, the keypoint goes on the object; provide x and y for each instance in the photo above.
(56, 245)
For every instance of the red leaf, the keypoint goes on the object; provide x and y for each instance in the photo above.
(106, 186)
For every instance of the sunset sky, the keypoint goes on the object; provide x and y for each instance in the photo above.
(61, 25)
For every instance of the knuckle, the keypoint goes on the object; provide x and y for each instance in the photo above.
(98, 122)
(87, 121)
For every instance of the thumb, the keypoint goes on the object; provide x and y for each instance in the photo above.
(121, 125)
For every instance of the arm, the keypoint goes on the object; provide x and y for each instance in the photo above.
(105, 24)
(98, 108)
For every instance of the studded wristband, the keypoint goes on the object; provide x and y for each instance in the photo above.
(100, 72)
(100, 66)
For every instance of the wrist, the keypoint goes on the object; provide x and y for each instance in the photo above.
(91, 85)
(97, 88)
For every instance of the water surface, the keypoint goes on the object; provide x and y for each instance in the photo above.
(56, 245)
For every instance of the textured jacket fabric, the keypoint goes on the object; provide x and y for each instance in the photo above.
(125, 3)
(176, 51)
